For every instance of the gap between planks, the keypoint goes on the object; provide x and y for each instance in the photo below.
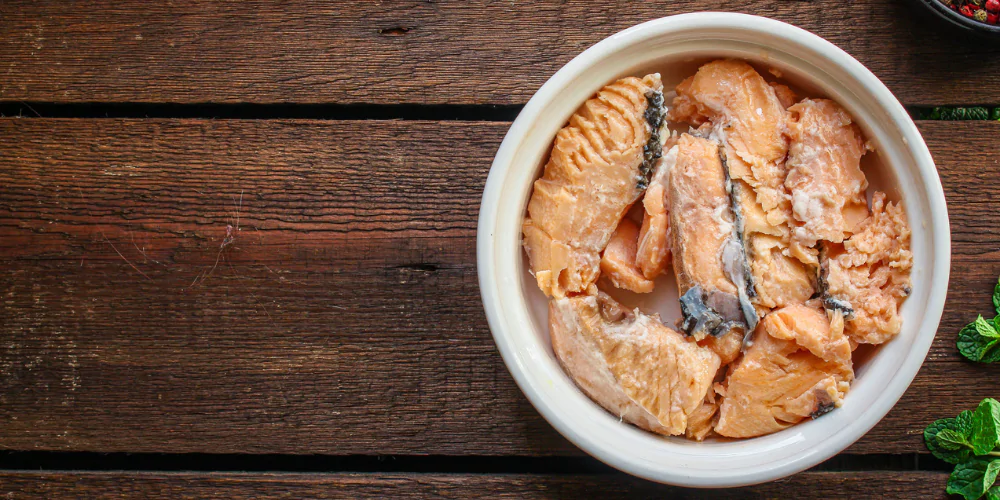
(100, 110)
(212, 462)
(249, 111)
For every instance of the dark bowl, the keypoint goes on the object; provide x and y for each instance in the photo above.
(960, 22)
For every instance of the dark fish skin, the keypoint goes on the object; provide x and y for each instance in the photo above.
(830, 302)
(655, 114)
(745, 285)
(697, 316)
(823, 409)
(712, 314)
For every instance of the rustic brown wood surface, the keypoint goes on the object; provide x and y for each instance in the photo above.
(419, 52)
(344, 309)
(98, 485)
(263, 292)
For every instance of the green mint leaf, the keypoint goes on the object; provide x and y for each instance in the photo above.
(978, 113)
(996, 291)
(968, 342)
(993, 493)
(972, 345)
(973, 478)
(951, 440)
(991, 354)
(986, 328)
(985, 427)
(996, 322)
(946, 439)
(963, 422)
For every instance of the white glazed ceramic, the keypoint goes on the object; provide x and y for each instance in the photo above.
(516, 309)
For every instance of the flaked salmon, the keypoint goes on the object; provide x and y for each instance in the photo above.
(824, 179)
(786, 96)
(728, 347)
(868, 276)
(653, 253)
(701, 421)
(630, 364)
(618, 262)
(748, 117)
(780, 279)
(701, 228)
(777, 276)
(599, 166)
(798, 366)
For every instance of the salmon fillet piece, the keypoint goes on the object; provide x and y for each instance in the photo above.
(868, 276)
(824, 179)
(630, 363)
(798, 366)
(618, 262)
(701, 228)
(653, 253)
(599, 166)
(748, 117)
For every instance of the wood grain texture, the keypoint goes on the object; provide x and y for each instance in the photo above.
(98, 485)
(423, 52)
(344, 318)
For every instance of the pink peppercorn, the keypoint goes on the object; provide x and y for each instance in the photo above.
(992, 18)
(967, 11)
(993, 6)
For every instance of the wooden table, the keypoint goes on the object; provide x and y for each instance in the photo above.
(237, 246)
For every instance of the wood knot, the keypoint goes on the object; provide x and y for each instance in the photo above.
(397, 31)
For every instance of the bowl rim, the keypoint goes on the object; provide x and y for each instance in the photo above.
(516, 359)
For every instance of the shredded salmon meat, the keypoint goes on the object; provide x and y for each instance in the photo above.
(752, 198)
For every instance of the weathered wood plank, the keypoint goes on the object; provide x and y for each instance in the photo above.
(345, 310)
(97, 485)
(415, 51)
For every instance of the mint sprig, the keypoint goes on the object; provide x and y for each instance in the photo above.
(980, 340)
(969, 441)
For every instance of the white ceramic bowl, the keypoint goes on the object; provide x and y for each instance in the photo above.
(674, 46)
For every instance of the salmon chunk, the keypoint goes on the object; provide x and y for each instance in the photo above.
(868, 276)
(824, 173)
(618, 262)
(702, 228)
(599, 166)
(780, 279)
(630, 364)
(653, 253)
(748, 117)
(798, 366)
